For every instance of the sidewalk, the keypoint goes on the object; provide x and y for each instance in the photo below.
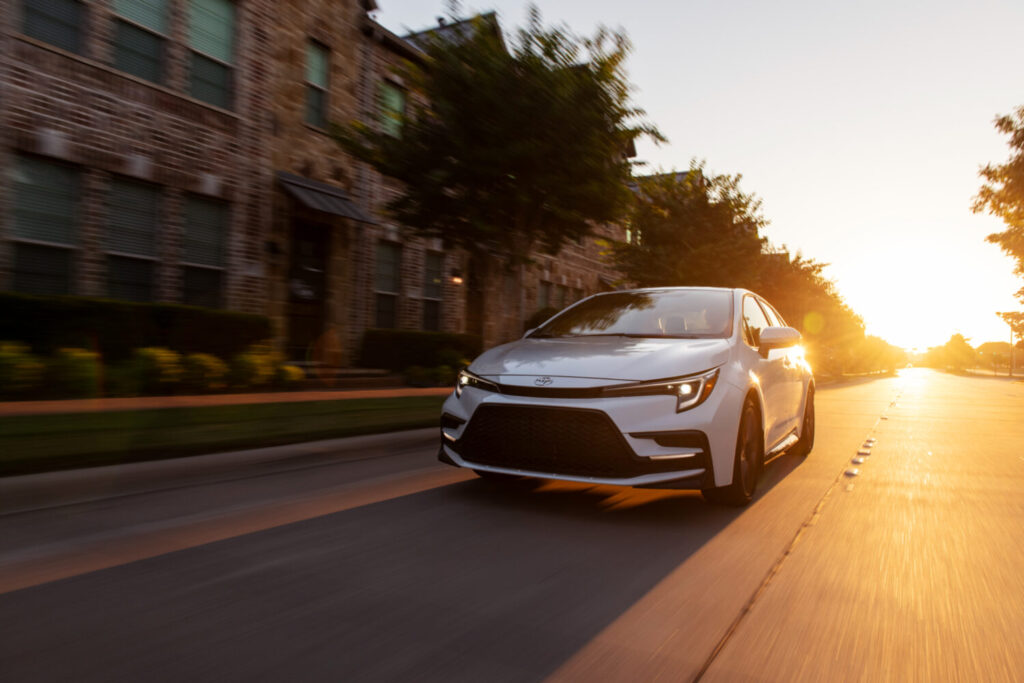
(96, 405)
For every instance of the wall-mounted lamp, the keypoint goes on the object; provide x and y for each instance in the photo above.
(457, 277)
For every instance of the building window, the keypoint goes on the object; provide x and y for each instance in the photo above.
(432, 266)
(58, 22)
(139, 37)
(389, 258)
(562, 292)
(318, 60)
(211, 36)
(45, 225)
(202, 254)
(544, 295)
(131, 240)
(392, 109)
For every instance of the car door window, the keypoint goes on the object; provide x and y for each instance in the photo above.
(754, 321)
(773, 316)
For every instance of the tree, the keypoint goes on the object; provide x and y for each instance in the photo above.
(692, 228)
(1002, 194)
(956, 354)
(510, 150)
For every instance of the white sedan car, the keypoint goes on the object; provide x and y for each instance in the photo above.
(679, 387)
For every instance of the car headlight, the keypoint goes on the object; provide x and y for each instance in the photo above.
(468, 379)
(690, 391)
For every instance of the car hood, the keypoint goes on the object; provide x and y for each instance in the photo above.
(593, 361)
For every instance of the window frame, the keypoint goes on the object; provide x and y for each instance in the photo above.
(72, 247)
(163, 38)
(195, 53)
(184, 265)
(433, 301)
(320, 120)
(391, 295)
(154, 258)
(748, 335)
(80, 36)
(391, 123)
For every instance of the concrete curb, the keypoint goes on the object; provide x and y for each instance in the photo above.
(68, 487)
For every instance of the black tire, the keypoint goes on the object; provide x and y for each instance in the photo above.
(747, 464)
(806, 443)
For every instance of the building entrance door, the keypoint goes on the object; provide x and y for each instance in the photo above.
(307, 287)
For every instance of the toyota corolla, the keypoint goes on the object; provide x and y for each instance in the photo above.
(682, 388)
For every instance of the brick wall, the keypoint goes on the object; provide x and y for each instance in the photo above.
(77, 108)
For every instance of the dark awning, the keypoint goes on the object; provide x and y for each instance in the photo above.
(322, 197)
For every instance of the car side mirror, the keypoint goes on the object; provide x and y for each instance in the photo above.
(777, 338)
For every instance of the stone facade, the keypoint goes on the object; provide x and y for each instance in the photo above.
(314, 272)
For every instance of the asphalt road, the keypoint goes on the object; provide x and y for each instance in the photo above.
(373, 562)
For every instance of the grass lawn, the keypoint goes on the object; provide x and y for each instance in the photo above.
(48, 442)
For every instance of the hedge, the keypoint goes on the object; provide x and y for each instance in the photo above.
(116, 328)
(400, 349)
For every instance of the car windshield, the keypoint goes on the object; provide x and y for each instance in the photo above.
(683, 314)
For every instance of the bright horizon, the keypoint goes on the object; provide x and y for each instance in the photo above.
(861, 128)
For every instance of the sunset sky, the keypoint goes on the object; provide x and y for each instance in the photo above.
(861, 126)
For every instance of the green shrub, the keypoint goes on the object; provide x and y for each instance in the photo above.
(74, 373)
(20, 371)
(253, 369)
(443, 375)
(452, 358)
(158, 370)
(117, 328)
(202, 372)
(417, 376)
(399, 349)
(539, 317)
(289, 376)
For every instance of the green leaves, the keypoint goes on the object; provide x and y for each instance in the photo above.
(510, 148)
(1002, 193)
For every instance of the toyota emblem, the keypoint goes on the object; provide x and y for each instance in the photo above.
(543, 381)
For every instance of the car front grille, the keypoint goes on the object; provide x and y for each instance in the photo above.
(567, 441)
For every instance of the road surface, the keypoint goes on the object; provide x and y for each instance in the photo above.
(377, 563)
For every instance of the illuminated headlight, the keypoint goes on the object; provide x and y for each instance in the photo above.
(468, 379)
(689, 391)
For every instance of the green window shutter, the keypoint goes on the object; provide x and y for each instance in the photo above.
(392, 108)
(211, 28)
(388, 258)
(206, 226)
(432, 275)
(149, 13)
(45, 198)
(138, 52)
(317, 64)
(57, 22)
(134, 218)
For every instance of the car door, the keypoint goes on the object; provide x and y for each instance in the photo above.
(771, 372)
(794, 368)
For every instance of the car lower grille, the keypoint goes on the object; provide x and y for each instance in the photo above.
(568, 441)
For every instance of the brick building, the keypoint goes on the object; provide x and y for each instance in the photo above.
(177, 150)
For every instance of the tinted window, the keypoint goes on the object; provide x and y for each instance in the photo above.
(754, 321)
(687, 314)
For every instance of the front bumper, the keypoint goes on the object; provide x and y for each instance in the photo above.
(628, 441)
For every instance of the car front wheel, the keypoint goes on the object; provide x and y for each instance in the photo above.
(747, 464)
(806, 442)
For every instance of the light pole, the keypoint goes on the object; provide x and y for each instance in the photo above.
(1010, 318)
